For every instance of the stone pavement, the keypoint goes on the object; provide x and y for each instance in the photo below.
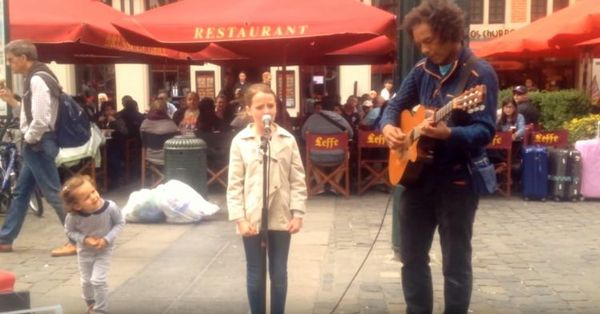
(529, 257)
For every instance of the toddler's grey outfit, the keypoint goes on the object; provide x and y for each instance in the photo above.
(107, 222)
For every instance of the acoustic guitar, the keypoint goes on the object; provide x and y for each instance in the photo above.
(407, 162)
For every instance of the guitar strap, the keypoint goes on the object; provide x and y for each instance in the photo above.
(464, 75)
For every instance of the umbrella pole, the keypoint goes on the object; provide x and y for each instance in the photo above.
(284, 79)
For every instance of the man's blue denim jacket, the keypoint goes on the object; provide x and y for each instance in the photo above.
(424, 84)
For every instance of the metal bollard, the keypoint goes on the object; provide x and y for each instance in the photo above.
(185, 160)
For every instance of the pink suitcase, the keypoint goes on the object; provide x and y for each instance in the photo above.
(590, 172)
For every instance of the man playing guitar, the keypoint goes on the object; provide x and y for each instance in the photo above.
(441, 195)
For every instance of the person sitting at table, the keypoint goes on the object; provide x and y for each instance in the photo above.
(115, 144)
(207, 121)
(511, 120)
(223, 113)
(158, 122)
(131, 116)
(187, 118)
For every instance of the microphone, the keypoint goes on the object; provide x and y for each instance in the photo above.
(266, 119)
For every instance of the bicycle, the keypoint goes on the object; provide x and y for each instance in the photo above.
(10, 165)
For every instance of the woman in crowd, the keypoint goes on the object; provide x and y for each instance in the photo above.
(157, 123)
(511, 120)
(116, 132)
(187, 118)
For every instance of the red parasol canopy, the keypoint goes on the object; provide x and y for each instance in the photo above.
(268, 31)
(80, 31)
(378, 50)
(574, 23)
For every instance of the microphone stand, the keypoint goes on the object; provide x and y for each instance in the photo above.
(264, 224)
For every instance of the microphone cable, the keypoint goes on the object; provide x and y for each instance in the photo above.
(387, 206)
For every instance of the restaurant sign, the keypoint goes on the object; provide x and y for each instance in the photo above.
(244, 32)
(118, 42)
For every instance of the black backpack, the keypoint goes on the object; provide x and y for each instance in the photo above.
(72, 126)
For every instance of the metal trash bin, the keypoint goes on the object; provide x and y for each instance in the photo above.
(185, 160)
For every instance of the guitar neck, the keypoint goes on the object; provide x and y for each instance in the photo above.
(443, 112)
(438, 116)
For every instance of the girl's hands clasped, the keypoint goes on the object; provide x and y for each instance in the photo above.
(98, 243)
(246, 229)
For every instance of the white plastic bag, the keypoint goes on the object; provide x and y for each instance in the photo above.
(181, 203)
(142, 207)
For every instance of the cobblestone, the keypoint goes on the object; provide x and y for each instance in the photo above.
(528, 257)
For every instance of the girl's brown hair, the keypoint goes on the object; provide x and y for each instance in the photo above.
(255, 89)
(504, 117)
(67, 192)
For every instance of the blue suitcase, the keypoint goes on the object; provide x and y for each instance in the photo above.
(534, 175)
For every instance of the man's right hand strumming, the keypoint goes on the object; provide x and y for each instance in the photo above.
(394, 136)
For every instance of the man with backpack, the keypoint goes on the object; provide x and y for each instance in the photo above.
(39, 152)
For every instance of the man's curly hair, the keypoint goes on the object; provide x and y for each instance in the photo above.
(445, 18)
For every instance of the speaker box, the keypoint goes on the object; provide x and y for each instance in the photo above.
(14, 301)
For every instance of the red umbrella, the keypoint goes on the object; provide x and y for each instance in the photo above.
(270, 32)
(574, 21)
(593, 45)
(378, 50)
(80, 31)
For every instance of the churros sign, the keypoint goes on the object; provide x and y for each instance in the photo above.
(244, 32)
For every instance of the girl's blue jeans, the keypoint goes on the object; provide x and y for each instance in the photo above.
(278, 249)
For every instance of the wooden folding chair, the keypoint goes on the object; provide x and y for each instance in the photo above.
(87, 166)
(503, 141)
(371, 154)
(132, 149)
(152, 141)
(217, 155)
(319, 174)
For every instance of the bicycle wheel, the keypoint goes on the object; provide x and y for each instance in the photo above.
(36, 204)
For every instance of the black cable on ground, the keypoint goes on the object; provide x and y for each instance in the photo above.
(387, 206)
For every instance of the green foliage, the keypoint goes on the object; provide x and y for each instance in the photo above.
(582, 128)
(556, 108)
(502, 94)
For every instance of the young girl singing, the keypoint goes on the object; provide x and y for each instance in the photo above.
(287, 197)
(94, 224)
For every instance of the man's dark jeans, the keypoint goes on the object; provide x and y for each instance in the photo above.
(450, 207)
(38, 168)
(279, 247)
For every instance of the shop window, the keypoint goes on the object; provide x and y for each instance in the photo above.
(205, 84)
(387, 5)
(95, 78)
(175, 79)
(559, 4)
(497, 11)
(151, 4)
(290, 88)
(538, 9)
(476, 12)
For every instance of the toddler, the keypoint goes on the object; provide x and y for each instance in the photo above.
(94, 224)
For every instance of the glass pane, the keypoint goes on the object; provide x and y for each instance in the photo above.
(538, 9)
(497, 8)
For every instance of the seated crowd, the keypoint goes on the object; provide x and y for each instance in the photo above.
(322, 115)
